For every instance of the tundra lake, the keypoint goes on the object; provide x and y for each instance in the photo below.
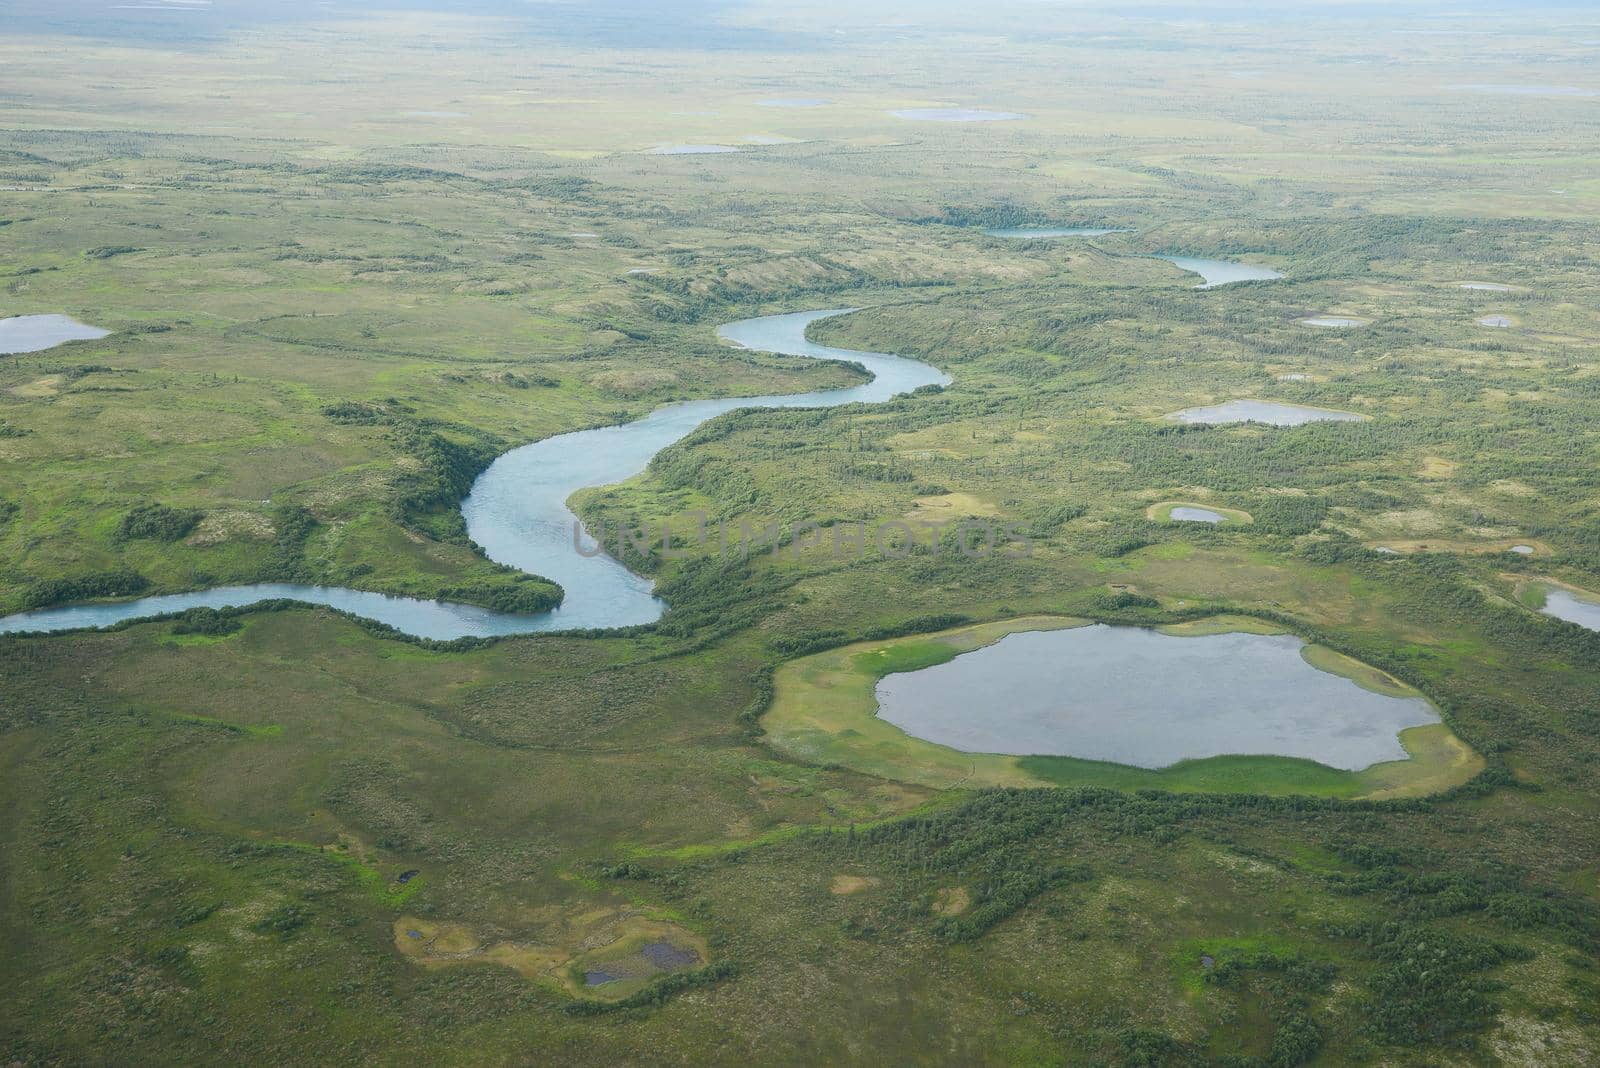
(1139, 697)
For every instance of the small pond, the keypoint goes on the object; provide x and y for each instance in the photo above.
(1188, 514)
(1498, 322)
(1033, 232)
(1564, 604)
(1146, 699)
(35, 333)
(668, 957)
(691, 150)
(1489, 287)
(1274, 413)
(1528, 90)
(1214, 273)
(955, 115)
(1333, 322)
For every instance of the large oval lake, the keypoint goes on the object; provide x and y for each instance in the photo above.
(1139, 697)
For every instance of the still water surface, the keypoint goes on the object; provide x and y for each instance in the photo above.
(1574, 609)
(35, 333)
(1214, 273)
(1188, 514)
(1139, 697)
(1274, 413)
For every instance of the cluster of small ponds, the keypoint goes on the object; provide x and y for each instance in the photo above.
(653, 958)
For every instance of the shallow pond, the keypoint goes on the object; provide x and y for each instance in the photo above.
(1027, 232)
(1333, 322)
(35, 333)
(955, 115)
(1498, 322)
(1563, 604)
(1214, 273)
(1488, 287)
(1186, 514)
(1146, 699)
(1274, 413)
(517, 510)
(1528, 90)
(691, 150)
(668, 957)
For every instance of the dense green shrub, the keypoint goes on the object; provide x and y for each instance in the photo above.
(206, 621)
(121, 582)
(518, 593)
(355, 413)
(157, 522)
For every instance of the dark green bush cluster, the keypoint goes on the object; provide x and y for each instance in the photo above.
(355, 413)
(158, 522)
(283, 920)
(430, 497)
(294, 525)
(518, 593)
(1053, 517)
(1121, 600)
(121, 582)
(917, 625)
(627, 870)
(1287, 513)
(1429, 988)
(206, 621)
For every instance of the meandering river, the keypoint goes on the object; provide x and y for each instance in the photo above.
(517, 508)
(517, 511)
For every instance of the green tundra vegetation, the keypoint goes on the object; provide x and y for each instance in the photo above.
(348, 258)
